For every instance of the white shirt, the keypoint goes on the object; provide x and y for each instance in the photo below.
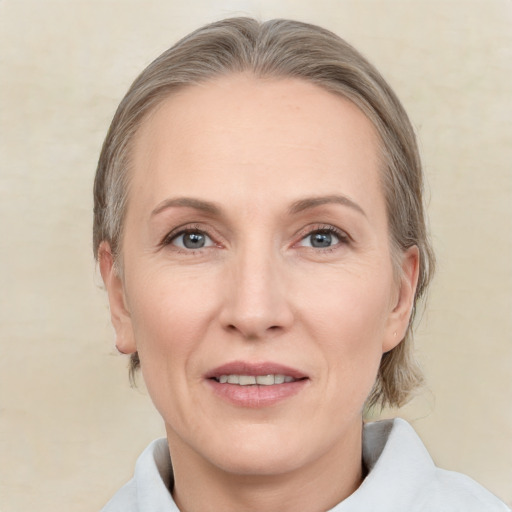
(402, 478)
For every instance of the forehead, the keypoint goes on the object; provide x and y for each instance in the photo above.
(240, 133)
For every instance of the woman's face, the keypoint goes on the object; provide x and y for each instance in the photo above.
(256, 251)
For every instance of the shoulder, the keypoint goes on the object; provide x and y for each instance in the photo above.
(455, 492)
(148, 490)
(403, 477)
(125, 500)
(441, 490)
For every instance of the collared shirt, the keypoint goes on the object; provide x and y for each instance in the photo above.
(401, 478)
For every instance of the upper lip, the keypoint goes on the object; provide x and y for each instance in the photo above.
(254, 369)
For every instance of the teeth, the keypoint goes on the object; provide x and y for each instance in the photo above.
(247, 380)
(265, 380)
(250, 380)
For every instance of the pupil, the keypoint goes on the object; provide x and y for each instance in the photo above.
(193, 240)
(321, 240)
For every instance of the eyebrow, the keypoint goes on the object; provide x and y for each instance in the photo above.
(313, 202)
(296, 207)
(188, 202)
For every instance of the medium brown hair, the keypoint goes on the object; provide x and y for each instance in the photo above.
(282, 49)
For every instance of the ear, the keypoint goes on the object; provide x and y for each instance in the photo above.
(119, 314)
(398, 320)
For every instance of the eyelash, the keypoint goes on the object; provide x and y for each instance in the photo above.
(343, 237)
(184, 230)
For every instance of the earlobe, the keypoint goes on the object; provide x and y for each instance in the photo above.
(120, 316)
(401, 313)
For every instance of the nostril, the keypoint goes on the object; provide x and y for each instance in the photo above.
(253, 322)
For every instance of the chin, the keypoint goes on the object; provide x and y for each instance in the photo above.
(262, 450)
(258, 461)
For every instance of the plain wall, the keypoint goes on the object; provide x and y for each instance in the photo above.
(70, 426)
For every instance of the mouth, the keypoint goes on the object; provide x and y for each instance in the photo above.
(255, 380)
(255, 385)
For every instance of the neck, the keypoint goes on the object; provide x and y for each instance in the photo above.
(200, 486)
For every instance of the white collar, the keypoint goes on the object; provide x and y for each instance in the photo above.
(402, 478)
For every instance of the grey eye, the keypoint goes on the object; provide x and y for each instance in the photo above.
(193, 240)
(320, 239)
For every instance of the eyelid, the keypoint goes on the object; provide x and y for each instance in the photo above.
(188, 228)
(343, 236)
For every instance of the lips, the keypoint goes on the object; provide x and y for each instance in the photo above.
(255, 384)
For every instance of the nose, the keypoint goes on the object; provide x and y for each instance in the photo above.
(256, 303)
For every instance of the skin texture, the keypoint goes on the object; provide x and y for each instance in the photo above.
(258, 291)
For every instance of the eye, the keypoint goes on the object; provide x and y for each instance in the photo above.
(322, 239)
(191, 239)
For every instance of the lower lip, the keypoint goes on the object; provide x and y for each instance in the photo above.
(256, 396)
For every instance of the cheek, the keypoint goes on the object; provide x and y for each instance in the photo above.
(348, 318)
(168, 323)
(349, 308)
(170, 317)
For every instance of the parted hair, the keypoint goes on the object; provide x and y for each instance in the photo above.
(282, 49)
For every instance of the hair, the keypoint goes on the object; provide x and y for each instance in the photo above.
(282, 49)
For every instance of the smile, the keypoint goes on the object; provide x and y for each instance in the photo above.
(253, 380)
(256, 384)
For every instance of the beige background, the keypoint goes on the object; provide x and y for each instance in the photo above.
(70, 426)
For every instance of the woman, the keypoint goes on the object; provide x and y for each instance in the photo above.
(260, 231)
